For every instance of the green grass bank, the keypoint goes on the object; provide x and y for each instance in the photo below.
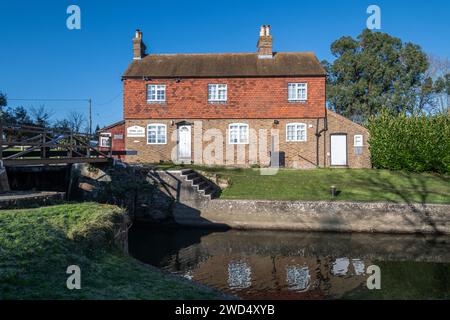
(314, 185)
(37, 246)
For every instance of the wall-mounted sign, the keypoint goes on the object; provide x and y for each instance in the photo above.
(136, 131)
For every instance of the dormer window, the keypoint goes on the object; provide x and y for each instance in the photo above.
(217, 93)
(297, 92)
(156, 93)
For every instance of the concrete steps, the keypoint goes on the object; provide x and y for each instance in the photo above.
(202, 185)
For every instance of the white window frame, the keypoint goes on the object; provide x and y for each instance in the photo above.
(155, 98)
(356, 143)
(105, 135)
(239, 125)
(297, 126)
(218, 87)
(293, 91)
(156, 125)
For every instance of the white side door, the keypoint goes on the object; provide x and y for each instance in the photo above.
(338, 150)
(184, 142)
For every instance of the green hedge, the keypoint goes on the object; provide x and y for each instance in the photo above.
(413, 143)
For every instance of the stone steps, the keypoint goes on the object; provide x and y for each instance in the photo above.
(200, 183)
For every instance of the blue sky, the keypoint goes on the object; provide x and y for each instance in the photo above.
(41, 58)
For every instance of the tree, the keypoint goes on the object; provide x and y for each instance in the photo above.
(96, 132)
(62, 124)
(41, 116)
(439, 70)
(376, 71)
(77, 121)
(3, 100)
(18, 115)
(3, 103)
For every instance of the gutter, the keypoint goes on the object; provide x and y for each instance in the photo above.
(318, 134)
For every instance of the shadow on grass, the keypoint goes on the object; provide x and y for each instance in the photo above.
(415, 194)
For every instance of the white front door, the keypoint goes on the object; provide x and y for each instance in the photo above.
(184, 143)
(338, 150)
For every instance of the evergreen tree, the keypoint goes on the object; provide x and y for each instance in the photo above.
(376, 71)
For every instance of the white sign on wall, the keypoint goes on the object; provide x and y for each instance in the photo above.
(135, 131)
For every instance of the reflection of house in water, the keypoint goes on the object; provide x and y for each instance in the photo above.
(341, 267)
(239, 275)
(358, 266)
(278, 265)
(298, 278)
(188, 274)
(265, 276)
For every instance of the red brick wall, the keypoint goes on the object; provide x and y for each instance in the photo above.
(248, 98)
(117, 144)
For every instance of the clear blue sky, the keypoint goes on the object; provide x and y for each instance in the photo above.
(41, 58)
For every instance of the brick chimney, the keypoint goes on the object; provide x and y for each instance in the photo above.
(138, 46)
(265, 43)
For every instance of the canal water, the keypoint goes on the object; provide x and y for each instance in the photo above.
(300, 265)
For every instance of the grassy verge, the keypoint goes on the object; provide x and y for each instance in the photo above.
(352, 184)
(37, 246)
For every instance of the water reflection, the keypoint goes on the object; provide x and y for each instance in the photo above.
(340, 267)
(239, 275)
(358, 266)
(298, 278)
(282, 265)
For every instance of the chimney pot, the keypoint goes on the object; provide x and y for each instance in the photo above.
(138, 34)
(262, 31)
(265, 43)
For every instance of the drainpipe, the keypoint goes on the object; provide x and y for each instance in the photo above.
(318, 135)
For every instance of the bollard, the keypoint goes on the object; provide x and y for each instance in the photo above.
(333, 191)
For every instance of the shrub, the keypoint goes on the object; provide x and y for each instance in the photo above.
(414, 143)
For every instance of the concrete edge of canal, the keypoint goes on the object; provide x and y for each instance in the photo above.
(318, 216)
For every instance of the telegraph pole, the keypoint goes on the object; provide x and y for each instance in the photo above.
(90, 116)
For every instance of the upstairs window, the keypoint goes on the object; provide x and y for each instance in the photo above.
(296, 132)
(238, 133)
(156, 133)
(297, 92)
(156, 93)
(217, 93)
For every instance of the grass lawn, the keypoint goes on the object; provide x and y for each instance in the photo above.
(37, 246)
(353, 185)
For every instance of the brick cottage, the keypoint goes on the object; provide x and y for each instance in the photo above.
(237, 109)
